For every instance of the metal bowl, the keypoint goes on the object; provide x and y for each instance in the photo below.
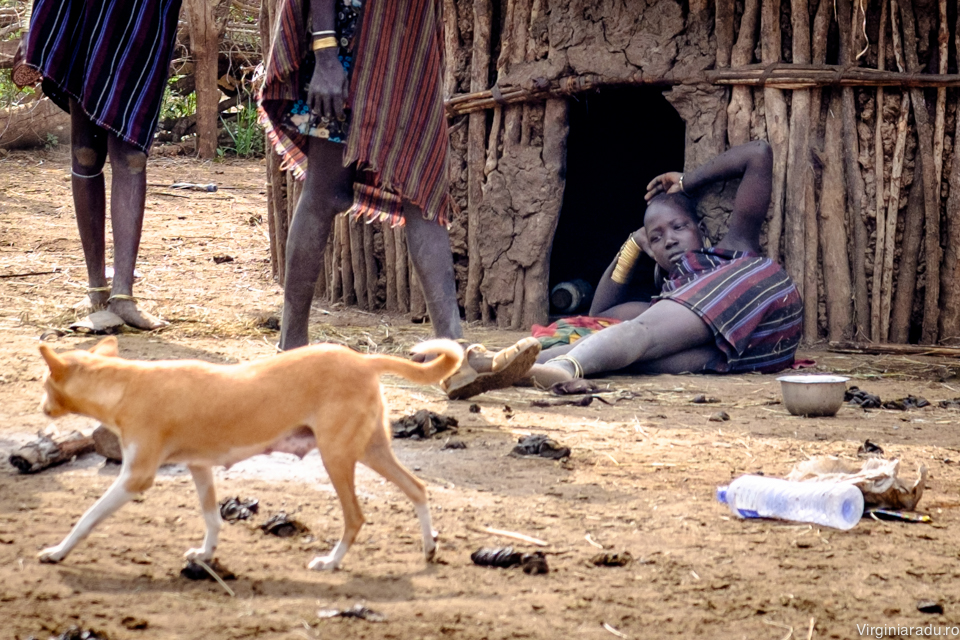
(814, 394)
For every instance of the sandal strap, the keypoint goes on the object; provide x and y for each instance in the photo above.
(121, 296)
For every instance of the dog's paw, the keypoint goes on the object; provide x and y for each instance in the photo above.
(323, 563)
(199, 554)
(51, 555)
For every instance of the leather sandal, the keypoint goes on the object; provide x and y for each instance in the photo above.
(507, 367)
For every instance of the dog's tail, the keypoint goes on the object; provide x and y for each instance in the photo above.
(448, 354)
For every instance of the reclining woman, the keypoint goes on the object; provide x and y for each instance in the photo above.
(723, 309)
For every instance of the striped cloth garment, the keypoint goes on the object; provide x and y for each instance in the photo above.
(398, 128)
(748, 301)
(111, 56)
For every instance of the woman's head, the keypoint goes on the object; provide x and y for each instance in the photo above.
(672, 228)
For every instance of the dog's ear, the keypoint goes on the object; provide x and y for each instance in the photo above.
(107, 347)
(58, 368)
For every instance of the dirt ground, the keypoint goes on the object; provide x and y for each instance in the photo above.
(641, 478)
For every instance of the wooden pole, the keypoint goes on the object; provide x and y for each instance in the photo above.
(833, 236)
(390, 265)
(741, 98)
(358, 263)
(778, 131)
(346, 262)
(931, 245)
(876, 325)
(855, 188)
(724, 32)
(205, 43)
(799, 170)
(896, 174)
(403, 273)
(909, 257)
(418, 305)
(476, 147)
(336, 259)
(370, 265)
(940, 123)
(950, 292)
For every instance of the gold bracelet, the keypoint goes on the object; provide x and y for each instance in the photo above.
(324, 43)
(626, 260)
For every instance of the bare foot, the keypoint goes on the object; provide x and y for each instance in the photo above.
(127, 309)
(94, 301)
(547, 375)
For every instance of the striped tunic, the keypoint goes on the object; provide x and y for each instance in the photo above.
(398, 128)
(748, 301)
(111, 56)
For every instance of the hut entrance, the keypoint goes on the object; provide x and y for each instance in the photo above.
(620, 138)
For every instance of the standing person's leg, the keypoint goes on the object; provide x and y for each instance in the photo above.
(127, 196)
(327, 191)
(429, 246)
(88, 147)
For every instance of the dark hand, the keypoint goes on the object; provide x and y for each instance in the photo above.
(328, 87)
(640, 237)
(664, 183)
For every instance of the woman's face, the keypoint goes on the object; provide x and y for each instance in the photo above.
(671, 232)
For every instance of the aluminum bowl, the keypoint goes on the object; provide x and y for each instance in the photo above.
(814, 394)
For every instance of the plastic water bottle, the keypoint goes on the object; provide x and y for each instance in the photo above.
(829, 504)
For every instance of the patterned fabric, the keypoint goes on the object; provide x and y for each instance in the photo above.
(569, 330)
(398, 128)
(748, 301)
(111, 56)
(299, 118)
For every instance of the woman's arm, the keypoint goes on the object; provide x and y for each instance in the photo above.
(616, 295)
(753, 164)
(328, 86)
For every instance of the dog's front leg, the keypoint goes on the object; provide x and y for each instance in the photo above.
(203, 479)
(116, 496)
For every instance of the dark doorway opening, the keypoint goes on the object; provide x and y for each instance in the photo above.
(620, 139)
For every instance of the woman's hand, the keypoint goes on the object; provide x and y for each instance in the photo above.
(328, 87)
(664, 183)
(640, 237)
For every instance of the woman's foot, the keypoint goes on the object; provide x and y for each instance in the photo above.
(126, 307)
(484, 371)
(545, 376)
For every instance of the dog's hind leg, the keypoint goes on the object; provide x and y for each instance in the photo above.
(203, 479)
(341, 471)
(380, 457)
(134, 477)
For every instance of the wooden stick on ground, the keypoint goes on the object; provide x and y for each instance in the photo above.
(510, 534)
(893, 349)
(878, 255)
(45, 452)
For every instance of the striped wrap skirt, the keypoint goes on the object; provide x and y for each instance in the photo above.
(749, 302)
(111, 56)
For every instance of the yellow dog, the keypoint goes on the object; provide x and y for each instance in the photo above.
(204, 414)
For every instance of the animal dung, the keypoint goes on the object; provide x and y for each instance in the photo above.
(423, 424)
(195, 571)
(356, 611)
(283, 526)
(233, 509)
(612, 559)
(540, 445)
(503, 557)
